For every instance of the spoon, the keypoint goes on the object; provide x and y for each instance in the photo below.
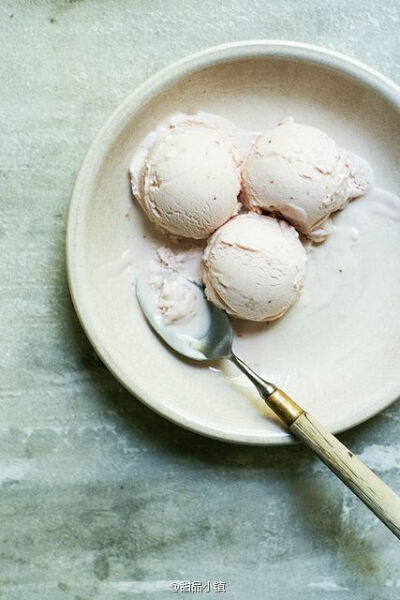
(208, 336)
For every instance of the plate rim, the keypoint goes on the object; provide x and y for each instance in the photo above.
(208, 57)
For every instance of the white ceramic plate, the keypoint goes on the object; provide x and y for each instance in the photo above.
(337, 358)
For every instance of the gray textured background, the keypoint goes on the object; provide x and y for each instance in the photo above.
(101, 498)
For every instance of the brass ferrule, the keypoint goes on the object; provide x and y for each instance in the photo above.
(284, 407)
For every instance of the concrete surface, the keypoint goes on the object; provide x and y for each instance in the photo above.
(101, 498)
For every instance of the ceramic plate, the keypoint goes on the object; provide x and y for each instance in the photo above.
(337, 351)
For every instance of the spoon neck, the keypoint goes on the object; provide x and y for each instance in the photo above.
(264, 388)
(283, 406)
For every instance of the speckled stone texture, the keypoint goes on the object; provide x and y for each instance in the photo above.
(100, 498)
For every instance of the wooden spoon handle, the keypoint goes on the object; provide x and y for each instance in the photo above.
(354, 473)
(357, 476)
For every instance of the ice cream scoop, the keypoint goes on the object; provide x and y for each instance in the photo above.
(254, 267)
(213, 340)
(298, 172)
(190, 180)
